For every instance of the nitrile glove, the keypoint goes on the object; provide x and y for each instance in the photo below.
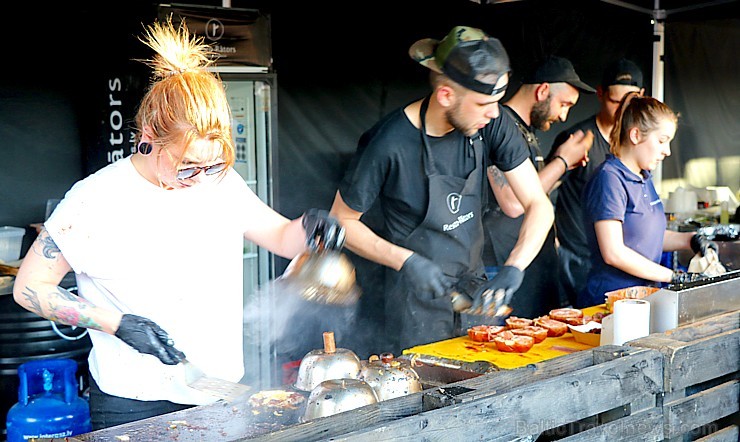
(508, 278)
(681, 277)
(322, 229)
(700, 244)
(426, 278)
(147, 337)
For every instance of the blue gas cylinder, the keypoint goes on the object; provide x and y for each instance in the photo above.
(48, 405)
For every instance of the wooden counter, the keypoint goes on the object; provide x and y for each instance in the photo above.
(672, 386)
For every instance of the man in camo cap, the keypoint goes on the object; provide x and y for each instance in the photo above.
(426, 165)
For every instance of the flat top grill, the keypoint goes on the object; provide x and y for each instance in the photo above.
(705, 281)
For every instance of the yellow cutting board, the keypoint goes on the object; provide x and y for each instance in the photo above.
(466, 350)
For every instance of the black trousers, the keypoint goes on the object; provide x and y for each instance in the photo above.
(108, 411)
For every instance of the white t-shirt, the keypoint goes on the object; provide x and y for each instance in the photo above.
(173, 256)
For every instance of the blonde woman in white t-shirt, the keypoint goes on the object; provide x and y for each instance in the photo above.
(155, 240)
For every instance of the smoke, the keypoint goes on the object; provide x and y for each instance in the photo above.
(278, 318)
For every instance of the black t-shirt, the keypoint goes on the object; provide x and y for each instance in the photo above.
(388, 166)
(568, 207)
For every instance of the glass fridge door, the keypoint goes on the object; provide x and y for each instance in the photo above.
(252, 98)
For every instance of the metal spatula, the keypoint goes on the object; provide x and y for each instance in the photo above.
(220, 388)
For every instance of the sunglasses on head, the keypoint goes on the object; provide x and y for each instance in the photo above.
(190, 172)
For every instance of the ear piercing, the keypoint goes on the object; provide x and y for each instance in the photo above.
(144, 148)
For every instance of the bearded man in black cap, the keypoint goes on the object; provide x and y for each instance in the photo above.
(545, 97)
(619, 78)
(426, 164)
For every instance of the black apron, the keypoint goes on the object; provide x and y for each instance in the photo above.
(451, 235)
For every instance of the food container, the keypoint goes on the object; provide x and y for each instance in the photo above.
(330, 363)
(589, 333)
(635, 292)
(390, 378)
(336, 396)
(11, 239)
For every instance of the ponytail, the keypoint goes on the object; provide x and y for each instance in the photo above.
(644, 113)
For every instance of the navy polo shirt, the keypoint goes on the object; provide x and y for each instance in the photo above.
(615, 192)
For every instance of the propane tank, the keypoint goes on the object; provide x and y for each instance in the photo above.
(48, 405)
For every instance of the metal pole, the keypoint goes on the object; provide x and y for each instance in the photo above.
(659, 16)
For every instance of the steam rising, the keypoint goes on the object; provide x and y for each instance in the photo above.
(277, 317)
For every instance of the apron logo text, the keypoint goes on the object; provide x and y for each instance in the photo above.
(460, 220)
(453, 202)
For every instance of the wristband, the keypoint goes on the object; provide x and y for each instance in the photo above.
(565, 163)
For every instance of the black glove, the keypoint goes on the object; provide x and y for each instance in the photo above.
(322, 229)
(508, 278)
(147, 337)
(700, 244)
(426, 278)
(681, 277)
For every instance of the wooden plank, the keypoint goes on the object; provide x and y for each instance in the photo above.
(702, 360)
(508, 379)
(691, 332)
(706, 327)
(532, 408)
(645, 426)
(728, 434)
(690, 363)
(702, 408)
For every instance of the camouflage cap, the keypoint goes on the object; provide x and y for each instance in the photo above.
(468, 56)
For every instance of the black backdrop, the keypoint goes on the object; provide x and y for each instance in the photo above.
(341, 66)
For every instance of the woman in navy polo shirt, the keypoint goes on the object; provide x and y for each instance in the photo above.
(626, 224)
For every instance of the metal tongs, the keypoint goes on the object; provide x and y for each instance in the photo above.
(495, 304)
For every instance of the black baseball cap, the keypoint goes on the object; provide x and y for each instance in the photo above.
(557, 70)
(468, 56)
(622, 71)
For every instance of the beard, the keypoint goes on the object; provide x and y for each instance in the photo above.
(456, 119)
(540, 114)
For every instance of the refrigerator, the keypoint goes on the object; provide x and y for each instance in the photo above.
(252, 96)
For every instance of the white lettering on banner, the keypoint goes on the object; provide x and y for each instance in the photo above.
(214, 29)
(460, 220)
(115, 121)
(224, 49)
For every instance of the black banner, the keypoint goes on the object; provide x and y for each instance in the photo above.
(241, 37)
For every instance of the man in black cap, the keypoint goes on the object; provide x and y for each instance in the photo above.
(546, 95)
(619, 78)
(426, 163)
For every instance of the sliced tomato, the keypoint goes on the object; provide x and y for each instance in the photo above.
(572, 316)
(479, 333)
(484, 333)
(513, 322)
(554, 328)
(538, 333)
(493, 330)
(509, 342)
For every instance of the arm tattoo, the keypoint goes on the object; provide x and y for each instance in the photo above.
(63, 312)
(33, 298)
(498, 177)
(49, 249)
